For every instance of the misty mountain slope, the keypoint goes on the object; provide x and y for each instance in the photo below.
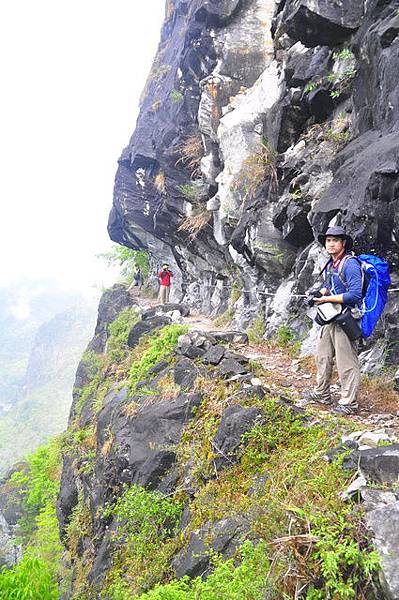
(43, 391)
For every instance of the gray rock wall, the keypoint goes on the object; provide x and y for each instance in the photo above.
(294, 109)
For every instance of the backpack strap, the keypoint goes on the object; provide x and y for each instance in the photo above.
(341, 266)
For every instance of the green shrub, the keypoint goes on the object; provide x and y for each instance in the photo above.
(161, 344)
(247, 581)
(30, 579)
(145, 521)
(256, 330)
(119, 331)
(40, 482)
(34, 577)
(284, 335)
(127, 259)
(176, 96)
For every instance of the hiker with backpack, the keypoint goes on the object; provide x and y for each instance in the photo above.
(348, 307)
(164, 277)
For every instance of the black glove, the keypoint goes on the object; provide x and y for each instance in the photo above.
(309, 301)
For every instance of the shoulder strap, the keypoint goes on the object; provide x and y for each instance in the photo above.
(341, 273)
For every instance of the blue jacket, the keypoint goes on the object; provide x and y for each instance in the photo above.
(349, 282)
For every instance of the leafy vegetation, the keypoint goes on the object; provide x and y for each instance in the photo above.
(256, 331)
(341, 77)
(176, 96)
(339, 137)
(97, 365)
(296, 194)
(247, 581)
(146, 519)
(119, 331)
(344, 54)
(161, 345)
(34, 577)
(127, 260)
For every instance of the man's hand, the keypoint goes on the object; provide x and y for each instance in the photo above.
(311, 298)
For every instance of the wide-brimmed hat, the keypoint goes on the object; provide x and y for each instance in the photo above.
(338, 232)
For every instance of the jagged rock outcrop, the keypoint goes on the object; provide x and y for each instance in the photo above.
(135, 435)
(195, 425)
(259, 126)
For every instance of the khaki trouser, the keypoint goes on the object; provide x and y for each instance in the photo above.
(333, 342)
(164, 291)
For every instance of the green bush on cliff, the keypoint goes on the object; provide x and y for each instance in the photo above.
(145, 520)
(34, 577)
(96, 365)
(119, 331)
(31, 579)
(161, 344)
(248, 581)
(127, 260)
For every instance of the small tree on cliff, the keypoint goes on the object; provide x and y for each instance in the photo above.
(127, 260)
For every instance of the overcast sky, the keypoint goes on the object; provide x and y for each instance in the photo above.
(72, 73)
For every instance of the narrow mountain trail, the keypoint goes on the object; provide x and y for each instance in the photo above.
(283, 373)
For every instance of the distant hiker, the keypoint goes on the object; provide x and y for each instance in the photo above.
(164, 277)
(137, 282)
(343, 290)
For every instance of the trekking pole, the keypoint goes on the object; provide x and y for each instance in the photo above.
(275, 294)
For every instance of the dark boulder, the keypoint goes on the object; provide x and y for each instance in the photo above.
(145, 327)
(233, 337)
(143, 444)
(241, 358)
(159, 367)
(229, 367)
(214, 355)
(320, 22)
(185, 373)
(191, 351)
(228, 441)
(380, 465)
(222, 537)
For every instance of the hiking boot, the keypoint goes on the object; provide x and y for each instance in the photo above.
(346, 409)
(317, 397)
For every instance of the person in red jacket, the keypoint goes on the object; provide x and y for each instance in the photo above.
(164, 280)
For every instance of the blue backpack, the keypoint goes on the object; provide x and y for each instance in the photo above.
(376, 281)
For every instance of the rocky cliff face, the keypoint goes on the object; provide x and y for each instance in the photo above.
(261, 123)
(180, 447)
